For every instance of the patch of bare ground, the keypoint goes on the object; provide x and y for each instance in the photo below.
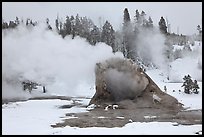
(128, 111)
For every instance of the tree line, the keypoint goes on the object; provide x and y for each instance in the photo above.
(123, 40)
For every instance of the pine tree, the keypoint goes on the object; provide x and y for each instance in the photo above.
(144, 21)
(187, 84)
(27, 23)
(195, 87)
(162, 25)
(47, 22)
(61, 31)
(67, 27)
(108, 35)
(118, 42)
(86, 28)
(137, 17)
(126, 17)
(77, 25)
(199, 29)
(12, 24)
(95, 35)
(57, 24)
(4, 25)
(128, 36)
(17, 21)
(150, 22)
(73, 31)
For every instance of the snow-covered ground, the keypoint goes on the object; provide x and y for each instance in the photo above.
(37, 116)
(190, 101)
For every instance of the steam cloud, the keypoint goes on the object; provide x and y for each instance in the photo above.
(124, 85)
(150, 46)
(43, 56)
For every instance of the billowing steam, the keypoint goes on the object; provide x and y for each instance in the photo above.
(151, 48)
(43, 56)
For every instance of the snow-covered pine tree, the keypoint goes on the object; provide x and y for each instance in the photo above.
(108, 35)
(128, 36)
(187, 84)
(162, 25)
(95, 35)
(195, 87)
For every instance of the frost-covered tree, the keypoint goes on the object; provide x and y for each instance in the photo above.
(108, 35)
(126, 17)
(5, 25)
(57, 24)
(199, 29)
(137, 17)
(199, 32)
(27, 23)
(195, 87)
(128, 36)
(162, 25)
(12, 24)
(87, 26)
(67, 26)
(143, 18)
(95, 35)
(48, 24)
(17, 21)
(141, 22)
(77, 25)
(150, 22)
(187, 84)
(73, 27)
(118, 42)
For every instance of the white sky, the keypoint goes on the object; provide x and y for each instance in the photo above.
(183, 16)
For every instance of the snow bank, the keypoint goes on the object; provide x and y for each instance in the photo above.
(33, 116)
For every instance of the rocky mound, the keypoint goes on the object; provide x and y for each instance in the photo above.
(119, 79)
(125, 94)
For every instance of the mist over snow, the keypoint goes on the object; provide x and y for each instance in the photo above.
(150, 46)
(190, 63)
(42, 56)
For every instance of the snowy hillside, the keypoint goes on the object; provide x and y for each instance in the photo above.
(190, 63)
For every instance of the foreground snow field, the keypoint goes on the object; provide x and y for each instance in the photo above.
(37, 116)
